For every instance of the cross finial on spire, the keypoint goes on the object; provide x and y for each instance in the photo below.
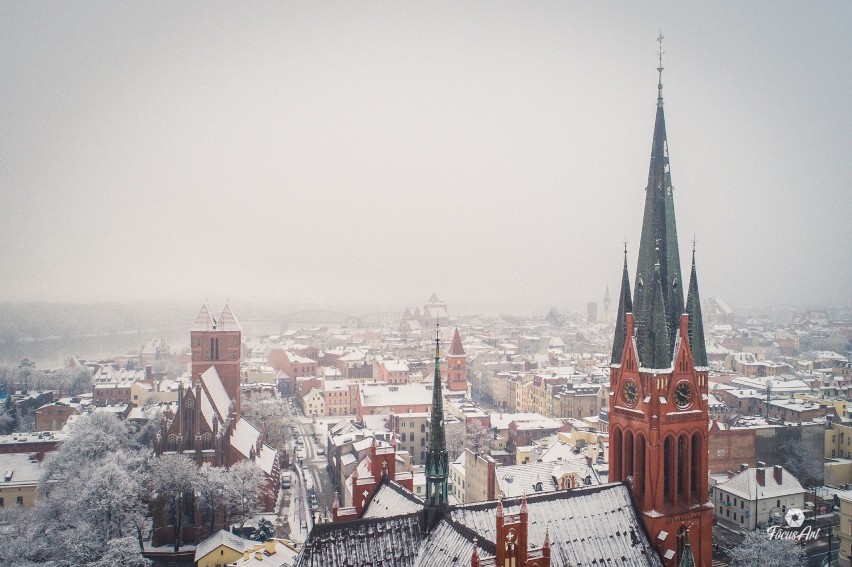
(437, 338)
(660, 53)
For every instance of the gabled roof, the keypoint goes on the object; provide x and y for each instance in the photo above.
(222, 537)
(203, 321)
(227, 321)
(745, 485)
(391, 499)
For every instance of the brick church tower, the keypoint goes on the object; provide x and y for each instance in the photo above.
(217, 343)
(457, 366)
(658, 386)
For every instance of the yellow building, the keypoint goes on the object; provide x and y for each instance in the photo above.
(844, 558)
(18, 484)
(220, 549)
(274, 552)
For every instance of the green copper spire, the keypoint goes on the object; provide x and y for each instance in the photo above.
(654, 351)
(625, 306)
(437, 463)
(686, 557)
(658, 244)
(696, 324)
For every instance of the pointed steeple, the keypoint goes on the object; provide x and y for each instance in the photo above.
(686, 557)
(659, 236)
(456, 349)
(654, 351)
(696, 323)
(625, 306)
(227, 320)
(437, 463)
(204, 320)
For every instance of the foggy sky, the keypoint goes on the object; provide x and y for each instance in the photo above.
(372, 153)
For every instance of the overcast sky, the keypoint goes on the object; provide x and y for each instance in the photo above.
(372, 153)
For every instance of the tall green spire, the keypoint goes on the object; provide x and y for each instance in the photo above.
(437, 463)
(658, 244)
(654, 351)
(625, 306)
(696, 323)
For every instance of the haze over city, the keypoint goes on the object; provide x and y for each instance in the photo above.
(371, 154)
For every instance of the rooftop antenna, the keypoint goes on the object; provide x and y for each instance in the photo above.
(660, 53)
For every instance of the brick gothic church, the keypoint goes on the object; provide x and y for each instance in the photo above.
(658, 380)
(654, 509)
(208, 428)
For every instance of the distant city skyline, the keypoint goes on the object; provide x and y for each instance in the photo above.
(371, 154)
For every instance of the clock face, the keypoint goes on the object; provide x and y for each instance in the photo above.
(683, 395)
(630, 393)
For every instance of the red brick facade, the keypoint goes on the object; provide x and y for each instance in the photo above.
(659, 448)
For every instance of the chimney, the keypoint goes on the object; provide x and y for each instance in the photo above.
(778, 473)
(761, 476)
(743, 467)
(269, 546)
(761, 464)
(148, 372)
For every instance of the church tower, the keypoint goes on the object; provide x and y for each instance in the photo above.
(658, 380)
(457, 366)
(217, 343)
(437, 462)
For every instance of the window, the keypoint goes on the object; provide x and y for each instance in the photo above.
(19, 501)
(2, 504)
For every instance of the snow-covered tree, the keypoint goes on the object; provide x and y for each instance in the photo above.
(246, 482)
(92, 438)
(804, 462)
(213, 491)
(93, 494)
(265, 530)
(478, 438)
(122, 551)
(7, 421)
(174, 478)
(758, 550)
(267, 412)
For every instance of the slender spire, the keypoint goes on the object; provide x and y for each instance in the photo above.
(654, 350)
(696, 323)
(660, 68)
(658, 244)
(686, 558)
(437, 465)
(625, 306)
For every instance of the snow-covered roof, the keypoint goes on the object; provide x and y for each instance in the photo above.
(218, 395)
(745, 484)
(392, 499)
(222, 537)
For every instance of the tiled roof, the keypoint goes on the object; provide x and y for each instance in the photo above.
(588, 526)
(745, 484)
(378, 542)
(392, 500)
(227, 321)
(203, 321)
(456, 349)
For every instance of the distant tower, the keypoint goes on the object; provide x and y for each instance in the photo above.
(457, 366)
(217, 343)
(658, 381)
(607, 307)
(437, 462)
(591, 312)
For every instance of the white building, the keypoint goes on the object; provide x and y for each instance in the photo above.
(747, 499)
